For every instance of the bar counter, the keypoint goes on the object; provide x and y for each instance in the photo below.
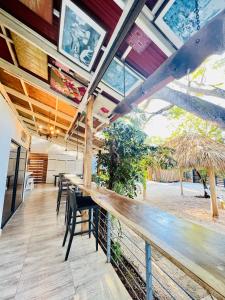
(198, 251)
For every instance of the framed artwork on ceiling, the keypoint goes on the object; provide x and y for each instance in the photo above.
(80, 38)
(178, 18)
(114, 77)
(66, 85)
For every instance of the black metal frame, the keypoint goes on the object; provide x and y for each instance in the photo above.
(13, 208)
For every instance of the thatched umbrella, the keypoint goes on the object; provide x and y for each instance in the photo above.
(197, 151)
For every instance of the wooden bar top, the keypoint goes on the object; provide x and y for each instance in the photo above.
(198, 251)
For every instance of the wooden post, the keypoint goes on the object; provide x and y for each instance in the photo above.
(181, 181)
(88, 153)
(214, 208)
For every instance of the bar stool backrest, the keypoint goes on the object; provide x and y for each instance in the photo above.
(72, 198)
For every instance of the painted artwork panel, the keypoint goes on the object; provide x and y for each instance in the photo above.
(178, 19)
(138, 40)
(114, 77)
(43, 8)
(80, 37)
(66, 85)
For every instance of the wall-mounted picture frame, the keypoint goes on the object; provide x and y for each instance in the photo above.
(178, 19)
(114, 77)
(80, 38)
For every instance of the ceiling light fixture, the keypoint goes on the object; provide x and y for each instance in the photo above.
(48, 131)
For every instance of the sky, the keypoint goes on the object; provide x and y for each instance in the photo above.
(158, 125)
(213, 75)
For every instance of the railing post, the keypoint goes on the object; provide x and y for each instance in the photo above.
(108, 237)
(148, 254)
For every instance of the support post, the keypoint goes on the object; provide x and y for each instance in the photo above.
(148, 254)
(88, 153)
(212, 184)
(108, 237)
(181, 181)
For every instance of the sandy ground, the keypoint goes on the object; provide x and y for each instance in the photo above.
(167, 197)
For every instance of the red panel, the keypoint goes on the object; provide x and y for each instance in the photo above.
(148, 61)
(4, 51)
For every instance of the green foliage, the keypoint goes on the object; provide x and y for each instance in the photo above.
(116, 251)
(120, 163)
(189, 123)
(159, 157)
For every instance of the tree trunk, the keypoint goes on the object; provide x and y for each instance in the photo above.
(181, 181)
(214, 208)
(206, 195)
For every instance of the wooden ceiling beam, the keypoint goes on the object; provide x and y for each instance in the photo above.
(34, 81)
(9, 45)
(39, 116)
(45, 119)
(37, 103)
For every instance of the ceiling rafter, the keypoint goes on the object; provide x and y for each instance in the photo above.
(39, 116)
(7, 98)
(9, 45)
(37, 103)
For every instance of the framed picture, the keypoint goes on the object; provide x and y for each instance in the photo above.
(80, 38)
(178, 19)
(114, 77)
(66, 85)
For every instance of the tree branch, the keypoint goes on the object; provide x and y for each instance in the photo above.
(203, 109)
(216, 92)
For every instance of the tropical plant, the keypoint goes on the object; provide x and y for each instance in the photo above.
(120, 162)
(189, 123)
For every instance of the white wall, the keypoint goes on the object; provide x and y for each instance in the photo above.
(59, 160)
(10, 128)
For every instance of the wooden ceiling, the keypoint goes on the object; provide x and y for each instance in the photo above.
(28, 49)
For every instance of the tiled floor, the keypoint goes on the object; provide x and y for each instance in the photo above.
(32, 260)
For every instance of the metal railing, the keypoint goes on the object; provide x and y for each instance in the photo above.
(136, 264)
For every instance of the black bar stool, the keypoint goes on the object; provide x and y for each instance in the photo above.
(62, 191)
(79, 204)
